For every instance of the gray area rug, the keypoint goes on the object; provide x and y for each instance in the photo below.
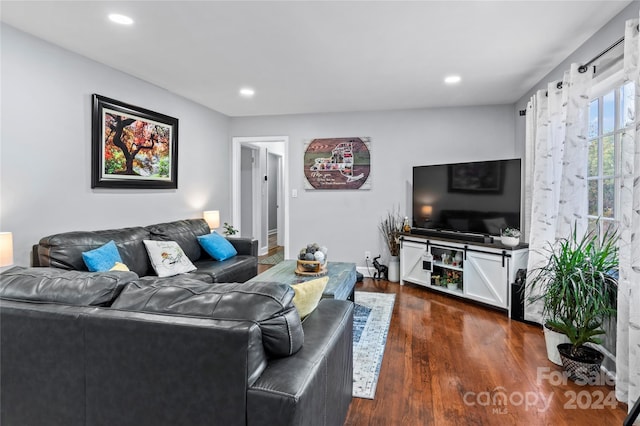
(274, 259)
(371, 319)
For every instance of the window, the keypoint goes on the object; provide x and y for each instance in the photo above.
(611, 114)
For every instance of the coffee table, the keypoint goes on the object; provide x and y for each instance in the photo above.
(342, 278)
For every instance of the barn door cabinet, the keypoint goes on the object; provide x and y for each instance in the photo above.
(482, 272)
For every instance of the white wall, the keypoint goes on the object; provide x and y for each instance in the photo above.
(347, 221)
(45, 150)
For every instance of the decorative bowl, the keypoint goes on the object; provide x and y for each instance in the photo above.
(310, 267)
(510, 241)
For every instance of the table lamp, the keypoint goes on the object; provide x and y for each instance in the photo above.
(6, 249)
(212, 217)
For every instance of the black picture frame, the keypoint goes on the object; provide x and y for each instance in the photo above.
(478, 177)
(132, 147)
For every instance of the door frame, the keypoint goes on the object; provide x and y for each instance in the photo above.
(280, 196)
(253, 141)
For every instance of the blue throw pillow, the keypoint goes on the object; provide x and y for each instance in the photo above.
(103, 258)
(217, 246)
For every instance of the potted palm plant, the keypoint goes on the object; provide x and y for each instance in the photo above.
(391, 227)
(578, 288)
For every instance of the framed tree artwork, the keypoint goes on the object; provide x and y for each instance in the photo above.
(132, 147)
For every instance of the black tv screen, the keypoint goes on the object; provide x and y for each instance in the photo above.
(479, 197)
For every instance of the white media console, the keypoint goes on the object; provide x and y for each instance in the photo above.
(485, 270)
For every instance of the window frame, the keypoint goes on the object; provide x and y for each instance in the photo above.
(612, 82)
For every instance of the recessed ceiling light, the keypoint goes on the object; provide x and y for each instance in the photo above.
(247, 92)
(120, 19)
(452, 79)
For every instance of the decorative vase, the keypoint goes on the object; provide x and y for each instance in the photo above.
(394, 269)
(552, 339)
(458, 259)
(584, 367)
(452, 286)
(510, 241)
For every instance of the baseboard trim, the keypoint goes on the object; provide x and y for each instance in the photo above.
(367, 272)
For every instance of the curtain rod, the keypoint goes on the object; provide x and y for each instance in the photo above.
(584, 67)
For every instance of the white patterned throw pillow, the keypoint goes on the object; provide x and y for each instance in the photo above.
(167, 258)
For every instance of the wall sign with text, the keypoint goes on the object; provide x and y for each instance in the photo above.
(338, 163)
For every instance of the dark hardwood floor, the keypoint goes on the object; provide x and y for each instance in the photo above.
(452, 362)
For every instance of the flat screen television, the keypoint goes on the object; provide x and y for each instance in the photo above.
(479, 197)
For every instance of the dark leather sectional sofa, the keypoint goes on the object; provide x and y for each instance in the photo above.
(65, 250)
(111, 348)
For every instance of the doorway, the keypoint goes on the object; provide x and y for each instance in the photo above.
(259, 186)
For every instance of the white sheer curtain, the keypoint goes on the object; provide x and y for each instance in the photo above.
(557, 128)
(628, 318)
(556, 191)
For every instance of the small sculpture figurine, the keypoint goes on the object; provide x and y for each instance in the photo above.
(381, 270)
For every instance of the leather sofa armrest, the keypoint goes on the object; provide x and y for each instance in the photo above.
(313, 386)
(247, 246)
(35, 260)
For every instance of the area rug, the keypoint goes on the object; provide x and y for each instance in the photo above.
(371, 318)
(274, 259)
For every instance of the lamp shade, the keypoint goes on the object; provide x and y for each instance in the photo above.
(426, 211)
(213, 218)
(6, 249)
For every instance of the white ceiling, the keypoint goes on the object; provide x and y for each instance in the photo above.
(324, 56)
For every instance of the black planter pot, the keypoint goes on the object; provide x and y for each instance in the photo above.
(584, 367)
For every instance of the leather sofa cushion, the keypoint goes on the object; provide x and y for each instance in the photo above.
(64, 250)
(268, 304)
(61, 286)
(238, 269)
(184, 232)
